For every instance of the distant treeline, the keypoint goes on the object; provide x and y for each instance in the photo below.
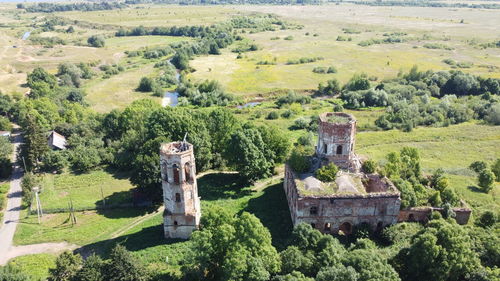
(85, 6)
(426, 4)
(228, 2)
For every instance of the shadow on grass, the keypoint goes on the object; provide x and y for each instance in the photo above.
(221, 186)
(272, 210)
(129, 212)
(148, 237)
(475, 189)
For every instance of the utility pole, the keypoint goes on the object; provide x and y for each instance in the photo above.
(39, 210)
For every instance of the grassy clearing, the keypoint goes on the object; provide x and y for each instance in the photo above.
(451, 148)
(84, 190)
(118, 91)
(36, 265)
(92, 226)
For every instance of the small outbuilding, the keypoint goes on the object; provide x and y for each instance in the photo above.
(57, 141)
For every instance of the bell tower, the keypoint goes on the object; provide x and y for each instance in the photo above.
(180, 191)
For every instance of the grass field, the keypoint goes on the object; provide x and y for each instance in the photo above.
(36, 265)
(156, 15)
(119, 90)
(84, 190)
(422, 25)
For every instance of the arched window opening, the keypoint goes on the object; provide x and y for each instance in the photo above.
(313, 211)
(339, 150)
(187, 171)
(313, 225)
(328, 226)
(176, 173)
(346, 228)
(177, 197)
(175, 223)
(325, 148)
(380, 225)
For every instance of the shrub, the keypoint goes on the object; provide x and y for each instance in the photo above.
(369, 166)
(327, 173)
(96, 41)
(487, 219)
(306, 140)
(478, 166)
(485, 180)
(495, 168)
(146, 84)
(299, 159)
(273, 115)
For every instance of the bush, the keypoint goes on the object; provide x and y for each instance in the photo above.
(5, 168)
(55, 161)
(495, 168)
(273, 115)
(485, 180)
(487, 219)
(96, 41)
(146, 85)
(306, 140)
(369, 166)
(327, 173)
(299, 159)
(5, 124)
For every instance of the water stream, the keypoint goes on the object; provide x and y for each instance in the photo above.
(171, 98)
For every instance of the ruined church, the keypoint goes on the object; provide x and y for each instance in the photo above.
(335, 207)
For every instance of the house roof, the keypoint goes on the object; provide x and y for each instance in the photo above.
(4, 133)
(57, 140)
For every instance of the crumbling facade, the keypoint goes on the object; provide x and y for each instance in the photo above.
(180, 192)
(353, 198)
(336, 140)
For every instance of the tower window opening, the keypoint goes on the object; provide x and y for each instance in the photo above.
(176, 174)
(325, 148)
(313, 225)
(339, 150)
(187, 171)
(177, 197)
(313, 211)
(175, 223)
(328, 226)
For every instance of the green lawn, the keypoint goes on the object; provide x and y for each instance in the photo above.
(37, 266)
(84, 190)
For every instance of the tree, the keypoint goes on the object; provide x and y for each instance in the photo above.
(93, 269)
(339, 273)
(123, 266)
(495, 168)
(96, 41)
(35, 144)
(331, 88)
(293, 260)
(12, 273)
(327, 173)
(478, 166)
(485, 180)
(250, 155)
(299, 159)
(357, 82)
(369, 166)
(293, 276)
(54, 161)
(440, 252)
(487, 219)
(67, 265)
(231, 249)
(146, 84)
(370, 266)
(493, 115)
